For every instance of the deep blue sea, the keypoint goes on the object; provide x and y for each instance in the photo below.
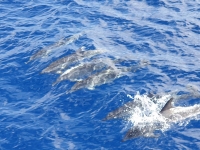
(34, 115)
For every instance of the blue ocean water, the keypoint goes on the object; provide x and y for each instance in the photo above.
(36, 115)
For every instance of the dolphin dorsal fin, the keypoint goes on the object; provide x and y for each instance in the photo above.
(167, 106)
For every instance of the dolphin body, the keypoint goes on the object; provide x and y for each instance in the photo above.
(84, 70)
(80, 72)
(126, 110)
(60, 64)
(105, 76)
(47, 50)
(170, 114)
(97, 79)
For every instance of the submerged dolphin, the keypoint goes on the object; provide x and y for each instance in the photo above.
(47, 50)
(84, 70)
(96, 79)
(142, 131)
(170, 114)
(64, 62)
(105, 76)
(80, 72)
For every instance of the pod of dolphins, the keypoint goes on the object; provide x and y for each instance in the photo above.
(87, 69)
(76, 67)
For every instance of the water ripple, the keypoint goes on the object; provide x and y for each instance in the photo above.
(35, 115)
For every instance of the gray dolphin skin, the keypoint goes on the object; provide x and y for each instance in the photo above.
(47, 50)
(170, 113)
(97, 79)
(84, 70)
(142, 131)
(176, 114)
(80, 72)
(126, 110)
(134, 68)
(64, 62)
(109, 74)
(123, 111)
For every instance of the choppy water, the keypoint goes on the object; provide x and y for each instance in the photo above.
(35, 115)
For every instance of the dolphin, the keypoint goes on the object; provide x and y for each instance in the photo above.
(80, 72)
(84, 70)
(126, 110)
(157, 118)
(123, 111)
(177, 114)
(105, 76)
(142, 131)
(97, 79)
(64, 62)
(49, 49)
(170, 114)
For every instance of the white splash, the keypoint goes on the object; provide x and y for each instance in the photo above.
(148, 112)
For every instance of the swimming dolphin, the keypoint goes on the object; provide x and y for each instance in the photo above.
(105, 76)
(176, 114)
(47, 50)
(142, 131)
(84, 70)
(170, 114)
(96, 79)
(127, 109)
(80, 72)
(64, 62)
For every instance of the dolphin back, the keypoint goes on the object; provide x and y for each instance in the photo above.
(137, 131)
